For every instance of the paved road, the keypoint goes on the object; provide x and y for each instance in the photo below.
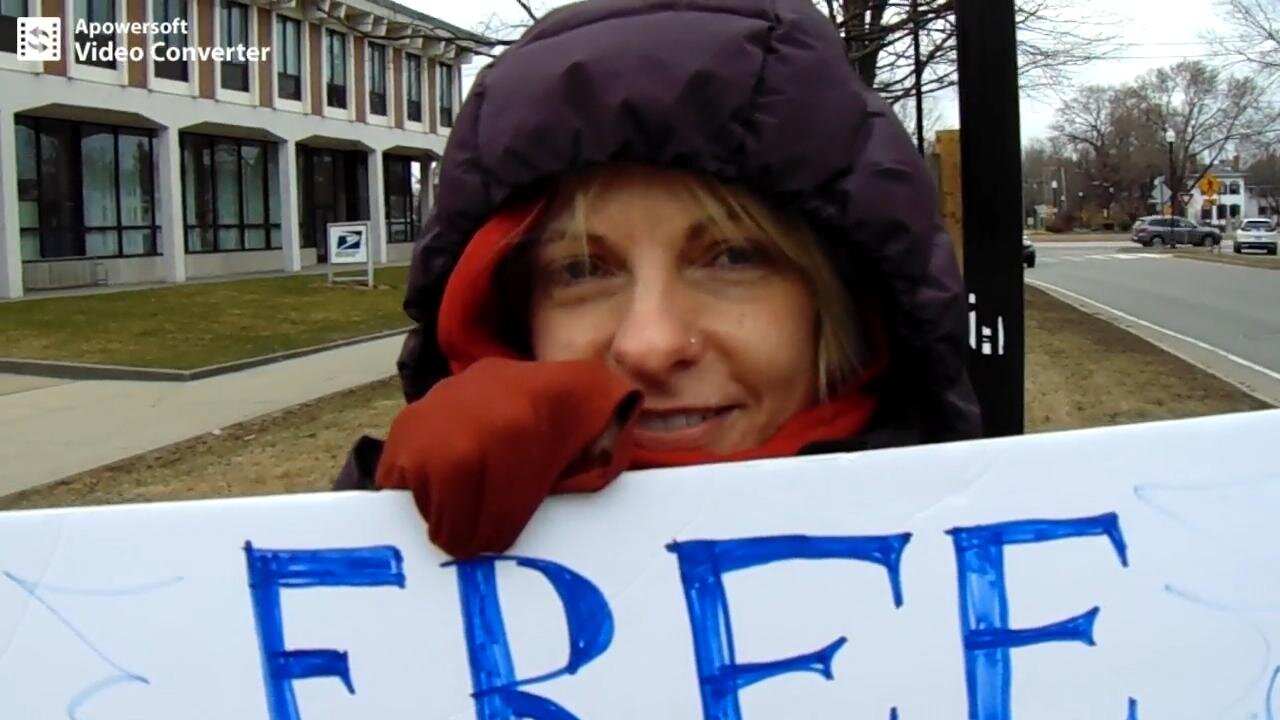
(1228, 317)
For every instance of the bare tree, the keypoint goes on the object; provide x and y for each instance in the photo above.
(1264, 179)
(1042, 167)
(1115, 146)
(878, 40)
(1210, 112)
(931, 115)
(1052, 40)
(1254, 35)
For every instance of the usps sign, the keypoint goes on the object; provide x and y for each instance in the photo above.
(348, 243)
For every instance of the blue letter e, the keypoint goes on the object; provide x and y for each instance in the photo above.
(703, 565)
(984, 604)
(270, 570)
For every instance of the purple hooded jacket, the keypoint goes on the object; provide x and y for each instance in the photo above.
(756, 92)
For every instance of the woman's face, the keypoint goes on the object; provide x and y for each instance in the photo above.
(717, 331)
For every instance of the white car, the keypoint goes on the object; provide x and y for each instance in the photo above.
(1256, 234)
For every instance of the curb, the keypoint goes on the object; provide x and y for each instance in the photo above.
(85, 371)
(1106, 314)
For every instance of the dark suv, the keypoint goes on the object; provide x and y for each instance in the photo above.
(1171, 232)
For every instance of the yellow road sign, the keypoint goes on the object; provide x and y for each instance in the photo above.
(1210, 185)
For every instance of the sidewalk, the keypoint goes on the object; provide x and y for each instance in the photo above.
(51, 431)
(318, 269)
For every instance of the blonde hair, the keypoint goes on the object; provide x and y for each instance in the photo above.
(841, 351)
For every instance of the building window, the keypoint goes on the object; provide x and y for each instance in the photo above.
(167, 11)
(288, 51)
(446, 95)
(334, 187)
(336, 70)
(10, 11)
(413, 86)
(377, 79)
(402, 177)
(230, 195)
(1233, 188)
(235, 33)
(84, 190)
(99, 44)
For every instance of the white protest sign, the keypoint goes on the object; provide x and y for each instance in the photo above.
(1123, 573)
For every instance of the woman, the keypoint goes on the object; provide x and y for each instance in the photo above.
(667, 233)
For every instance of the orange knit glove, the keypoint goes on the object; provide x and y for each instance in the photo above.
(483, 448)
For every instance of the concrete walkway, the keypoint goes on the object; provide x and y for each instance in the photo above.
(49, 430)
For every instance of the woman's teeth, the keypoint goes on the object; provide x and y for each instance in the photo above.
(678, 421)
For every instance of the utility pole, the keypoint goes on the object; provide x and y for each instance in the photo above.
(919, 74)
(991, 166)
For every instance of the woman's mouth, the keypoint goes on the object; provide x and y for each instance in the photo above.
(681, 428)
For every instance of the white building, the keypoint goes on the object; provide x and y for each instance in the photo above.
(142, 168)
(1236, 200)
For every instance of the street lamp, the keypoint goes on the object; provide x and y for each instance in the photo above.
(1169, 137)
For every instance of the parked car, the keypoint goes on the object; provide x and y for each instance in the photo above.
(1028, 252)
(1256, 234)
(1158, 231)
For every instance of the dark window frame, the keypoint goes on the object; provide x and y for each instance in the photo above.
(234, 75)
(95, 40)
(335, 92)
(377, 53)
(190, 229)
(45, 227)
(9, 28)
(175, 70)
(288, 85)
(447, 93)
(347, 202)
(411, 217)
(413, 87)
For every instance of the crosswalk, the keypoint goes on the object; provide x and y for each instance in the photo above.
(1102, 256)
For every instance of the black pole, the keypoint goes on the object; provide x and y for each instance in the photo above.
(919, 75)
(1173, 191)
(991, 175)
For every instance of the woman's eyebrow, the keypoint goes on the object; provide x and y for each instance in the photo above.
(556, 236)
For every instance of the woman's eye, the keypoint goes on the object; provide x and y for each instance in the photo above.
(737, 256)
(577, 269)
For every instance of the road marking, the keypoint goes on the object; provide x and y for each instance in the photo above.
(1120, 256)
(1152, 326)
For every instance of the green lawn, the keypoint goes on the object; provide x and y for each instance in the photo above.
(200, 324)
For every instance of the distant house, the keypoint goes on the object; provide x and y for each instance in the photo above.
(1235, 201)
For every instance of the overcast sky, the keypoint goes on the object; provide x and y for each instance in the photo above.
(1162, 32)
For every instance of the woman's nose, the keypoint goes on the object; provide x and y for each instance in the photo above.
(657, 335)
